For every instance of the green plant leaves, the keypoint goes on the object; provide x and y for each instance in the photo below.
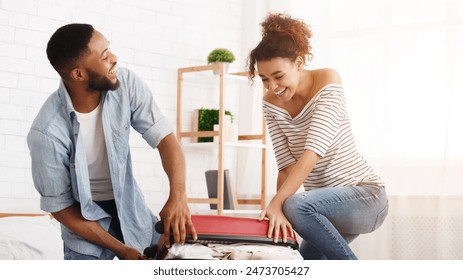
(206, 120)
(220, 55)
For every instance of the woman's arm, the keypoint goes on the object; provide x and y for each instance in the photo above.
(289, 181)
(292, 177)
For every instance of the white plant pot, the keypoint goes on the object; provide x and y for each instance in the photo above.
(225, 67)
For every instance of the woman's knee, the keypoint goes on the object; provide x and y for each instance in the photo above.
(289, 206)
(294, 206)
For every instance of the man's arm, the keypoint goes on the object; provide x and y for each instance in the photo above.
(175, 213)
(72, 218)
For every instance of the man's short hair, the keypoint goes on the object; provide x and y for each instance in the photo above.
(67, 45)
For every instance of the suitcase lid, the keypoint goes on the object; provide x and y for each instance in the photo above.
(228, 230)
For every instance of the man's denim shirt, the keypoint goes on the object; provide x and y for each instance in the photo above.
(59, 164)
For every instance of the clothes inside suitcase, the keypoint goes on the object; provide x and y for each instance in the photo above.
(225, 237)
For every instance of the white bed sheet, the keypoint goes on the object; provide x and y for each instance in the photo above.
(30, 238)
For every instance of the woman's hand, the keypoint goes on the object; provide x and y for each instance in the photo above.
(289, 181)
(277, 222)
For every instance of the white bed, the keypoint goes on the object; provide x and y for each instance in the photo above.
(30, 237)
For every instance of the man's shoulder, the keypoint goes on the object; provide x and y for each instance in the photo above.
(50, 116)
(125, 73)
(121, 70)
(48, 109)
(128, 80)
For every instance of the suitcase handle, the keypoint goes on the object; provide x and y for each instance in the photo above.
(159, 227)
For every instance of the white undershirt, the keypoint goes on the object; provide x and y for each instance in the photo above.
(91, 129)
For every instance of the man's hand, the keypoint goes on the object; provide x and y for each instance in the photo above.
(130, 253)
(177, 220)
(92, 231)
(175, 214)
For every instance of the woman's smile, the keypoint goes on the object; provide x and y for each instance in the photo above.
(280, 92)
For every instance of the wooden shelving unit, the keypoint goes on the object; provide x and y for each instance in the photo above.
(220, 145)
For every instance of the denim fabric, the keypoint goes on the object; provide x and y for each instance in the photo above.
(59, 164)
(328, 219)
(109, 206)
(71, 255)
(105, 253)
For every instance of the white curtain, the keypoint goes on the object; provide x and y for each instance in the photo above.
(401, 62)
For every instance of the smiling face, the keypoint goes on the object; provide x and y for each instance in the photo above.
(280, 76)
(100, 65)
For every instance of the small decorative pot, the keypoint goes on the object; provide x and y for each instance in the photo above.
(225, 67)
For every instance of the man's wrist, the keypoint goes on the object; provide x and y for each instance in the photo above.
(177, 194)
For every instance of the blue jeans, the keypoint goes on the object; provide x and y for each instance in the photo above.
(114, 229)
(73, 255)
(105, 254)
(328, 219)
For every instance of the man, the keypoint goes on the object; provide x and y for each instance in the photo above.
(81, 163)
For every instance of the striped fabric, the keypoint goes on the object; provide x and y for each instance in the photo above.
(322, 126)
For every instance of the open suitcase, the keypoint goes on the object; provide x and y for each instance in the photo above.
(225, 230)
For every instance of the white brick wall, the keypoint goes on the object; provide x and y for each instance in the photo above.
(151, 37)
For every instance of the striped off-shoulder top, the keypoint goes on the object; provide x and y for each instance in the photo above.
(322, 126)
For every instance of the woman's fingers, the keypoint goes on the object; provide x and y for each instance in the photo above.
(284, 232)
(291, 230)
(282, 228)
(276, 233)
(288, 229)
(271, 226)
(262, 215)
(277, 225)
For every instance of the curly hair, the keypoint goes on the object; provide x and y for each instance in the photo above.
(67, 45)
(282, 36)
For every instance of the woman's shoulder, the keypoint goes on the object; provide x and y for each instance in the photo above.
(324, 81)
(325, 76)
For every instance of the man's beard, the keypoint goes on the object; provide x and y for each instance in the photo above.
(100, 83)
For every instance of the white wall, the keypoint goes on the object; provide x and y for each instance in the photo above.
(401, 63)
(152, 37)
(414, 230)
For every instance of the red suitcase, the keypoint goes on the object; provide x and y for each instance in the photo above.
(226, 230)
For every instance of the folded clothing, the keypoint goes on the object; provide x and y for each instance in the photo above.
(238, 251)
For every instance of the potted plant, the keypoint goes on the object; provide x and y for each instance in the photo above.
(207, 118)
(221, 55)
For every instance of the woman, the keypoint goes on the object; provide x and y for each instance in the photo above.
(314, 147)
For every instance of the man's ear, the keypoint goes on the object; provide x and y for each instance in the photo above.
(76, 74)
